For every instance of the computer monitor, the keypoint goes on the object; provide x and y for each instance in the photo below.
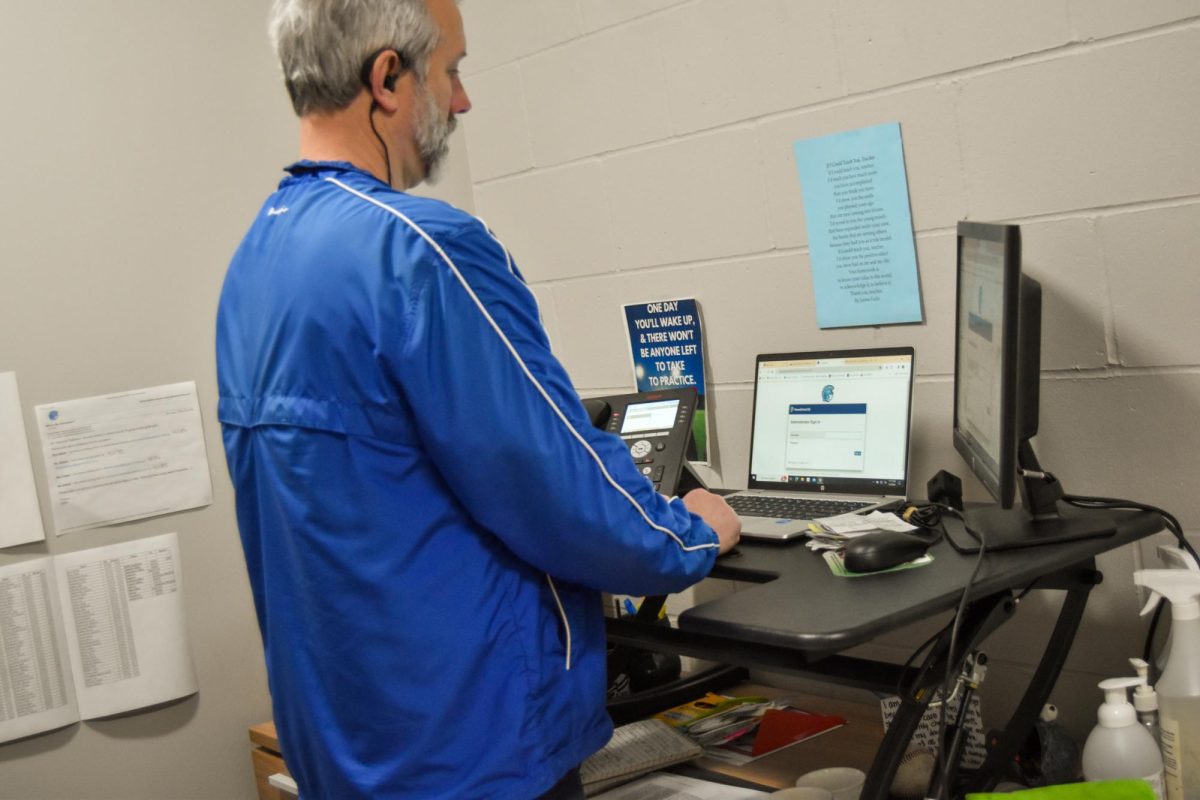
(997, 377)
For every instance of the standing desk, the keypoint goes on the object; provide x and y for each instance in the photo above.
(799, 617)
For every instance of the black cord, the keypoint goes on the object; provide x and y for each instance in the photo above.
(386, 158)
(927, 517)
(1032, 585)
(900, 692)
(1172, 524)
(950, 660)
(1111, 503)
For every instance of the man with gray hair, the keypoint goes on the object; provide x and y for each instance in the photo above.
(427, 515)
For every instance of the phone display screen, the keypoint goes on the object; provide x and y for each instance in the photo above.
(658, 415)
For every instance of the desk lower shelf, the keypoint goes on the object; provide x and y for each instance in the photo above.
(852, 745)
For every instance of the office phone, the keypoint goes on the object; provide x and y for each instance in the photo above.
(657, 428)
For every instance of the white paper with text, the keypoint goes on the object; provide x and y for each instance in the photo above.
(36, 693)
(123, 612)
(20, 516)
(124, 456)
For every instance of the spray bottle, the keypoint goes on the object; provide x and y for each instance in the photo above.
(1118, 747)
(1172, 558)
(1179, 687)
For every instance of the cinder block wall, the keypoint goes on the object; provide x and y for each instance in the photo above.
(630, 150)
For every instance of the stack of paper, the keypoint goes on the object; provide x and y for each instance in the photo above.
(634, 750)
(832, 533)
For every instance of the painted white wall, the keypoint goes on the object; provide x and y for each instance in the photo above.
(629, 151)
(139, 138)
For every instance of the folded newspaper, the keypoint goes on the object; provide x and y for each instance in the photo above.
(634, 750)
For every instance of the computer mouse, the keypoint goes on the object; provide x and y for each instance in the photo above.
(872, 552)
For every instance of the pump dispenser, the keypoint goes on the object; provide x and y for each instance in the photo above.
(1118, 747)
(1179, 687)
(1145, 700)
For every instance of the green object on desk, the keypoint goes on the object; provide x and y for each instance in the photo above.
(1101, 790)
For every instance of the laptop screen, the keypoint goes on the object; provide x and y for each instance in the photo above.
(835, 421)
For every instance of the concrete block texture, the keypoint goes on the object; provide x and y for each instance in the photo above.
(497, 128)
(603, 359)
(885, 44)
(1064, 255)
(596, 94)
(691, 199)
(1154, 320)
(555, 222)
(1093, 19)
(604, 13)
(728, 61)
(498, 33)
(1098, 127)
(1131, 437)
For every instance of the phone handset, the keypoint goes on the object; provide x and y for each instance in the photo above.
(657, 429)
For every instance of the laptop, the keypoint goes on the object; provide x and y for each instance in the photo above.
(829, 436)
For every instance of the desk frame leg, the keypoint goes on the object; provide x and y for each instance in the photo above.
(1003, 747)
(982, 616)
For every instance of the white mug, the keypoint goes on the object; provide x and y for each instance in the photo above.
(844, 783)
(803, 793)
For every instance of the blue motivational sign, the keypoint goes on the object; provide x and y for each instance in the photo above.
(667, 345)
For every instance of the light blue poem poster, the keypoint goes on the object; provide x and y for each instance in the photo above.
(860, 234)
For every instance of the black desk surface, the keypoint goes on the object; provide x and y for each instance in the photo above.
(800, 605)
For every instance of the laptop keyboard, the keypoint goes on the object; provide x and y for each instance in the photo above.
(748, 505)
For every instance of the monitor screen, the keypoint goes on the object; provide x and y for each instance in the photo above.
(985, 369)
(835, 421)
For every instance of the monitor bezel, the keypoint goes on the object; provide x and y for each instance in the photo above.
(835, 485)
(1000, 482)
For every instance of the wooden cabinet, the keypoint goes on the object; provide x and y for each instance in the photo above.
(267, 761)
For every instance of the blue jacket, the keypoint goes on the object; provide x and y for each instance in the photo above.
(427, 515)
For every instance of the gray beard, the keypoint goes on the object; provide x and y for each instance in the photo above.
(433, 136)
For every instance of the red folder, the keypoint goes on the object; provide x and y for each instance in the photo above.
(781, 727)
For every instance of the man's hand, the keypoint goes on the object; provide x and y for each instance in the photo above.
(716, 512)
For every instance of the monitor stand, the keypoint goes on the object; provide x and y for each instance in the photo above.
(1041, 518)
(1012, 528)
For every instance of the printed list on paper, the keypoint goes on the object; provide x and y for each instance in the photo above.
(90, 634)
(124, 456)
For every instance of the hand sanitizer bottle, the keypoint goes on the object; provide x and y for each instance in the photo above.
(1118, 746)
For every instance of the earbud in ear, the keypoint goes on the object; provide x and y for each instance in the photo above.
(389, 82)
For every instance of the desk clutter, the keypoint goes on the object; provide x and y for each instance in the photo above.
(854, 545)
(634, 750)
(734, 730)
